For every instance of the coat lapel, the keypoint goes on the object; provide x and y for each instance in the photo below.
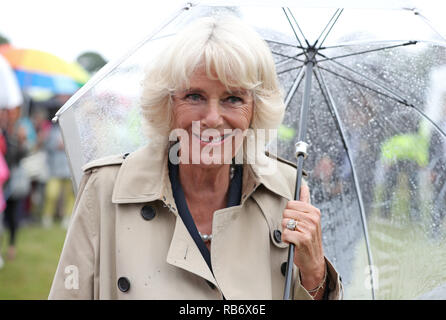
(240, 252)
(143, 177)
(184, 253)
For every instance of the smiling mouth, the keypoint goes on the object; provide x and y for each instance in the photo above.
(212, 139)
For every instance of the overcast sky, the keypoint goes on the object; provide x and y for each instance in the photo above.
(111, 27)
(69, 27)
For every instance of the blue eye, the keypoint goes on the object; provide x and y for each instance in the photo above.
(234, 100)
(194, 97)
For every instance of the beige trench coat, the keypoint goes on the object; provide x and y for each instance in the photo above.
(127, 241)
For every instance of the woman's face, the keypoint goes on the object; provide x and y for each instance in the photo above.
(212, 120)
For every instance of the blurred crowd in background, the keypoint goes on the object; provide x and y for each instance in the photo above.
(34, 171)
(35, 178)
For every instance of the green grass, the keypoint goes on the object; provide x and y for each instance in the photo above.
(30, 274)
(409, 261)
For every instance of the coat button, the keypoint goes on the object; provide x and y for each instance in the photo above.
(278, 235)
(148, 212)
(123, 284)
(283, 268)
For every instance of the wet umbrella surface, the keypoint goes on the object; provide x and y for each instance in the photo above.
(376, 127)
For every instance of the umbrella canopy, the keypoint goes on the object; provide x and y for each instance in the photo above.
(39, 71)
(10, 95)
(365, 79)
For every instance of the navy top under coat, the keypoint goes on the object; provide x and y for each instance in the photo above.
(234, 197)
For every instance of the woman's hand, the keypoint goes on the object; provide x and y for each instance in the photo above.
(307, 238)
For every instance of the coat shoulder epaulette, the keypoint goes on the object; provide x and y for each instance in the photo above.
(112, 160)
(276, 157)
(282, 160)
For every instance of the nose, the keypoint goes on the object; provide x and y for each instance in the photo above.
(212, 117)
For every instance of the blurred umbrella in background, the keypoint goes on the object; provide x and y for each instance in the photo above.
(10, 94)
(373, 127)
(42, 74)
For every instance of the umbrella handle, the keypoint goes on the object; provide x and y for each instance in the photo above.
(301, 155)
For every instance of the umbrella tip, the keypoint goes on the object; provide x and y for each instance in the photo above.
(55, 119)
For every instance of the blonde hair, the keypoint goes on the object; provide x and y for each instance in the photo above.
(231, 52)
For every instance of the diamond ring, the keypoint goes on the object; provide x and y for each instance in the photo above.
(291, 224)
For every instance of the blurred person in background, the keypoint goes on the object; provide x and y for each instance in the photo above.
(328, 177)
(11, 99)
(400, 158)
(59, 189)
(18, 185)
(28, 162)
(4, 172)
(36, 163)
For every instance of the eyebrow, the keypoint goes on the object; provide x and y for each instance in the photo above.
(235, 92)
(192, 90)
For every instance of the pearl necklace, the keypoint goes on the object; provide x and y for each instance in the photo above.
(208, 237)
(205, 237)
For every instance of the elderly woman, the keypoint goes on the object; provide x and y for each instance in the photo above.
(181, 218)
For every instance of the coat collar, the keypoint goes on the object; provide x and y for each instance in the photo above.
(143, 177)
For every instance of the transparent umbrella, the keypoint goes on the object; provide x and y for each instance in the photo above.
(361, 88)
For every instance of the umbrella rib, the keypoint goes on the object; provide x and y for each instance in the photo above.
(403, 102)
(364, 86)
(368, 51)
(288, 70)
(364, 42)
(294, 87)
(429, 23)
(333, 111)
(380, 85)
(331, 27)
(425, 116)
(281, 62)
(100, 75)
(284, 44)
(294, 31)
(325, 28)
(295, 21)
(288, 57)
